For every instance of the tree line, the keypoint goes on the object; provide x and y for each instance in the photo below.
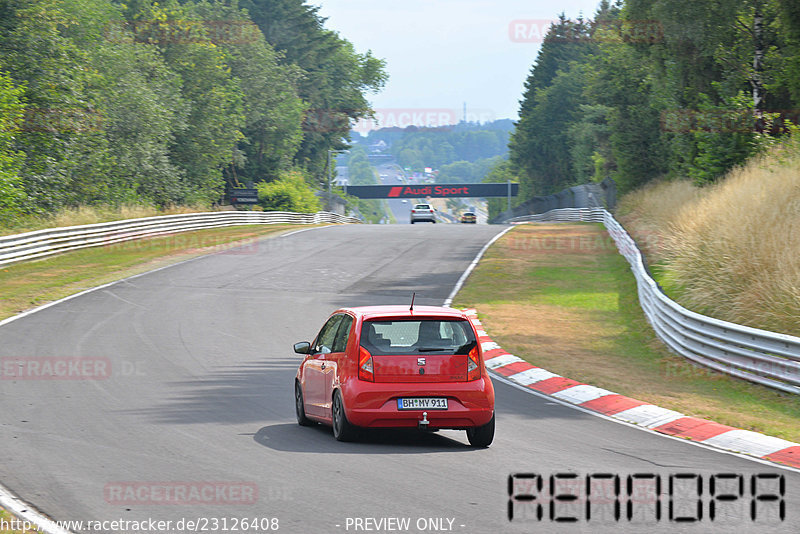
(672, 88)
(462, 153)
(105, 102)
(435, 147)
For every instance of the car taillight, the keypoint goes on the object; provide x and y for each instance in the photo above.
(365, 365)
(473, 364)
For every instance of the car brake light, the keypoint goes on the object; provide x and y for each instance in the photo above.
(473, 364)
(365, 365)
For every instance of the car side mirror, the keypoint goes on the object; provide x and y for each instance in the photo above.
(304, 347)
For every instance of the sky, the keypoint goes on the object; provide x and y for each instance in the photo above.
(443, 53)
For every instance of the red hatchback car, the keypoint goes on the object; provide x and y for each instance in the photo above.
(392, 366)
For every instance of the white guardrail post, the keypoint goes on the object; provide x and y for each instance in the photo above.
(761, 356)
(40, 243)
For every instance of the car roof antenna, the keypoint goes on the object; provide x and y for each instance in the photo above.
(412, 301)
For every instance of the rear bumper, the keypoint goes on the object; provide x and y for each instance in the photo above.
(374, 405)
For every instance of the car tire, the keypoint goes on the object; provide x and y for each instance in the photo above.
(299, 407)
(342, 429)
(481, 436)
(434, 221)
(412, 221)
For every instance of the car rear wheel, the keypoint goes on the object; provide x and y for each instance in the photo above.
(342, 429)
(481, 436)
(299, 407)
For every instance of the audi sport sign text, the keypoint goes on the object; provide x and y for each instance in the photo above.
(432, 190)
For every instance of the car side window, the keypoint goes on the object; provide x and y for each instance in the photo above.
(340, 343)
(326, 337)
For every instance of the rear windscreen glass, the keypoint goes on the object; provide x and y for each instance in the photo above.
(417, 337)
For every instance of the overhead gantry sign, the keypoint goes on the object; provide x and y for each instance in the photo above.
(433, 190)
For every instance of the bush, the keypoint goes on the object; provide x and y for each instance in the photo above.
(289, 192)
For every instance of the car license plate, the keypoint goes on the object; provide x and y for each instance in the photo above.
(422, 403)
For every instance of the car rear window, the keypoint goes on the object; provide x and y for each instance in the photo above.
(419, 336)
(422, 207)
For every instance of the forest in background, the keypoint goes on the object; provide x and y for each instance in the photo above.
(462, 153)
(111, 103)
(656, 89)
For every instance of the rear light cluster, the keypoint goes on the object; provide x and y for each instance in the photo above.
(473, 364)
(365, 369)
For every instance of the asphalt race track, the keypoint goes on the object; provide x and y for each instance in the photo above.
(391, 174)
(199, 394)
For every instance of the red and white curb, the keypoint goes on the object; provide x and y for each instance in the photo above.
(633, 411)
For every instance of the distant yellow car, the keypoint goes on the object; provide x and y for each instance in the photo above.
(468, 217)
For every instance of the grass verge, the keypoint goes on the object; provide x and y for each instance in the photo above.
(91, 215)
(33, 283)
(561, 297)
(9, 523)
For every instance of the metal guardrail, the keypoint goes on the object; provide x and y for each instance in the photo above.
(40, 243)
(594, 195)
(761, 356)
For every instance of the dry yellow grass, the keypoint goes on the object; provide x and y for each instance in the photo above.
(648, 211)
(94, 214)
(731, 250)
(89, 215)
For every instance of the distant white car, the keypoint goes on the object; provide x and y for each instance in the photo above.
(405, 201)
(422, 212)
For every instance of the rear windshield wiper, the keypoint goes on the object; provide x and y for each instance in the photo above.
(433, 349)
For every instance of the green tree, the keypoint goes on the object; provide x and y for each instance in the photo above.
(539, 146)
(66, 150)
(144, 110)
(289, 192)
(12, 194)
(335, 77)
(467, 172)
(501, 171)
(273, 110)
(621, 82)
